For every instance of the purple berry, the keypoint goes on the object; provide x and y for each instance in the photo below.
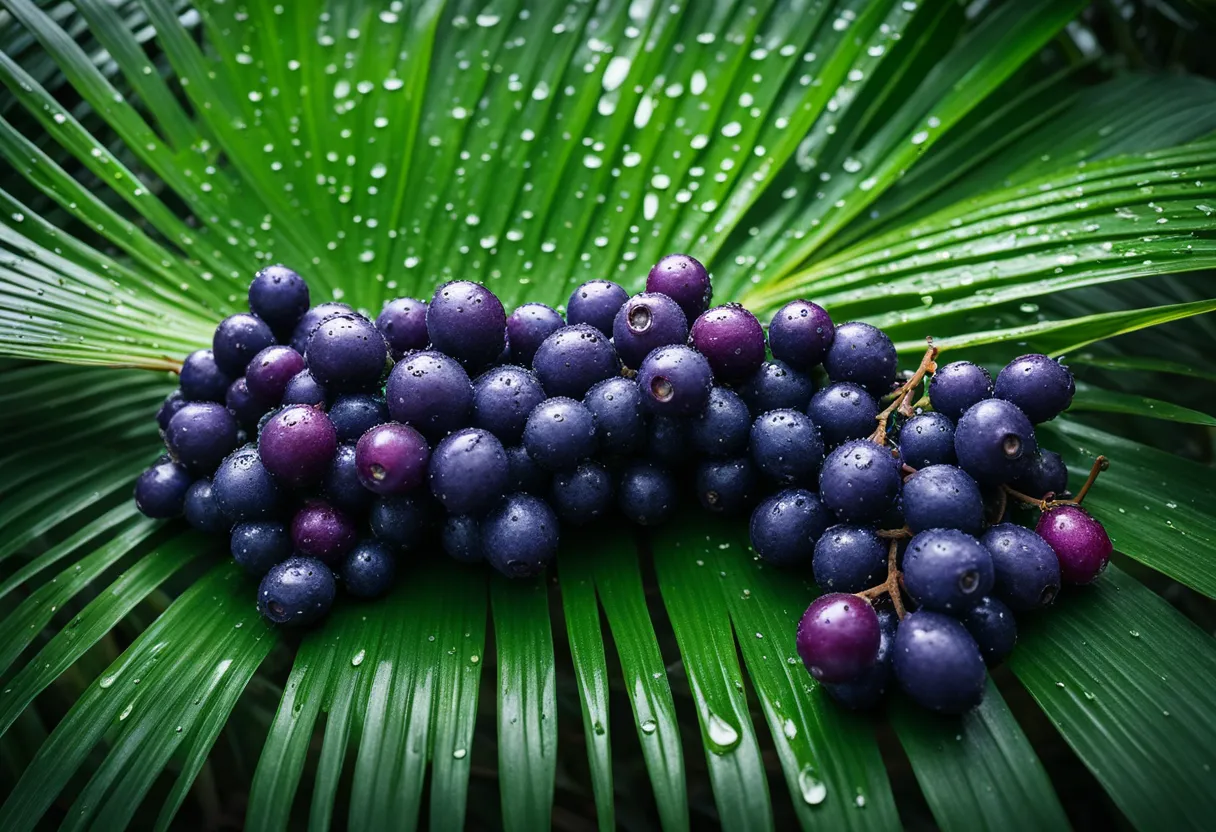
(247, 408)
(304, 389)
(786, 447)
(503, 398)
(402, 322)
(244, 489)
(596, 303)
(1027, 570)
(520, 536)
(947, 570)
(321, 531)
(311, 320)
(468, 471)
(864, 355)
(937, 663)
(431, 392)
(731, 339)
(867, 690)
(994, 441)
(927, 439)
(160, 492)
(582, 495)
(675, 381)
(173, 402)
(722, 428)
(297, 445)
(838, 637)
(942, 497)
(369, 569)
(843, 411)
(297, 592)
(466, 320)
(573, 359)
(279, 296)
(346, 353)
(800, 334)
(646, 322)
(785, 526)
(683, 279)
(203, 510)
(560, 433)
(616, 404)
(849, 559)
(777, 387)
(270, 371)
(238, 338)
(392, 459)
(859, 481)
(342, 485)
(528, 327)
(1079, 541)
(646, 494)
(201, 378)
(200, 435)
(957, 387)
(1040, 386)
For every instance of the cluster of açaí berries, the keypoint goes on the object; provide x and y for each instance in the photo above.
(329, 447)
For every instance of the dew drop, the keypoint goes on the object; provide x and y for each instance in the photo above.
(813, 790)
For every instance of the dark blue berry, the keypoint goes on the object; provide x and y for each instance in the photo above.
(683, 279)
(937, 663)
(304, 389)
(238, 338)
(994, 441)
(860, 481)
(297, 445)
(667, 441)
(727, 486)
(958, 386)
(461, 538)
(320, 530)
(646, 322)
(403, 522)
(430, 391)
(297, 592)
(776, 387)
(616, 404)
(596, 303)
(520, 536)
(466, 321)
(560, 433)
(992, 626)
(354, 414)
(270, 371)
(862, 354)
(646, 494)
(200, 435)
(342, 485)
(785, 445)
(528, 327)
(1026, 569)
(160, 491)
(311, 320)
(582, 495)
(257, 546)
(843, 411)
(942, 497)
(468, 471)
(369, 569)
(731, 339)
(279, 296)
(1045, 474)
(722, 428)
(346, 353)
(201, 378)
(523, 474)
(1041, 387)
(402, 322)
(503, 398)
(785, 526)
(867, 690)
(173, 402)
(927, 439)
(203, 510)
(244, 488)
(573, 359)
(675, 381)
(247, 408)
(947, 570)
(800, 334)
(850, 559)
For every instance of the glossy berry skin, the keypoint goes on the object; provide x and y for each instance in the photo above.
(238, 338)
(297, 444)
(596, 303)
(1045, 474)
(297, 592)
(1026, 570)
(942, 497)
(528, 327)
(279, 296)
(786, 447)
(203, 510)
(937, 663)
(392, 459)
(369, 569)
(354, 414)
(800, 334)
(616, 404)
(667, 442)
(519, 536)
(503, 398)
(646, 322)
(1040, 386)
(347, 354)
(304, 389)
(675, 381)
(342, 485)
(466, 320)
(201, 378)
(402, 322)
(523, 474)
(927, 439)
(319, 530)
(947, 570)
(722, 428)
(838, 637)
(785, 527)
(994, 441)
(560, 433)
(403, 522)
(775, 387)
(867, 690)
(727, 486)
(582, 495)
(200, 435)
(731, 339)
(468, 471)
(258, 546)
(862, 354)
(173, 402)
(460, 538)
(244, 489)
(843, 411)
(247, 408)
(311, 320)
(160, 491)
(850, 559)
(646, 494)
(957, 387)
(573, 359)
(992, 626)
(270, 371)
(859, 482)
(683, 279)
(1079, 541)
(431, 392)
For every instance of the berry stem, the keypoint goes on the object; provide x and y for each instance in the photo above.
(1045, 503)
(895, 534)
(891, 586)
(1100, 465)
(901, 400)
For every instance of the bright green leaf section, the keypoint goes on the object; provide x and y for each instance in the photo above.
(1097, 399)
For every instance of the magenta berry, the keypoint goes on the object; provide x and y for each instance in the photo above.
(731, 339)
(392, 459)
(1078, 540)
(838, 637)
(683, 279)
(800, 334)
(297, 445)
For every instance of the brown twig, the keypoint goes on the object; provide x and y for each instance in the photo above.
(1047, 502)
(891, 586)
(900, 402)
(895, 534)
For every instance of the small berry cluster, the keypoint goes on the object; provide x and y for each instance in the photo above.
(328, 446)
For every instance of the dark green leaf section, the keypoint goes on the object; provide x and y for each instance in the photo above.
(1131, 686)
(1097, 399)
(977, 771)
(1155, 506)
(1142, 364)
